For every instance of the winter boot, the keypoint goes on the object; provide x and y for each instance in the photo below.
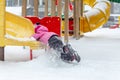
(69, 54)
(66, 51)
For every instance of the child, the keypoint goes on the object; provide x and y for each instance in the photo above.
(66, 51)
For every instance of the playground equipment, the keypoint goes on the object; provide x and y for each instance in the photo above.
(119, 20)
(20, 27)
(16, 26)
(88, 21)
(96, 17)
(52, 23)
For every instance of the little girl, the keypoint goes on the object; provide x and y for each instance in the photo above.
(53, 40)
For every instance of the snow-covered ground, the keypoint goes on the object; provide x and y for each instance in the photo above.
(100, 60)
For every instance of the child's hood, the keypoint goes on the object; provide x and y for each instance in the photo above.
(40, 28)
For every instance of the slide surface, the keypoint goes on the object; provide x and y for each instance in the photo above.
(18, 26)
(96, 17)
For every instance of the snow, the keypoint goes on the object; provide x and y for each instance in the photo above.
(100, 60)
(14, 10)
(19, 39)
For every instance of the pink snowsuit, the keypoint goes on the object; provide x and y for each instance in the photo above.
(42, 34)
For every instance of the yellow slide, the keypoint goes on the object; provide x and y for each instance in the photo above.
(18, 26)
(21, 28)
(96, 17)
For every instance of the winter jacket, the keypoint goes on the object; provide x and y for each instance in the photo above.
(42, 34)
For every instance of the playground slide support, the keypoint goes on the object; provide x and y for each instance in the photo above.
(2, 29)
(2, 23)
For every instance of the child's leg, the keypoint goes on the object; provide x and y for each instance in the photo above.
(56, 43)
(66, 51)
